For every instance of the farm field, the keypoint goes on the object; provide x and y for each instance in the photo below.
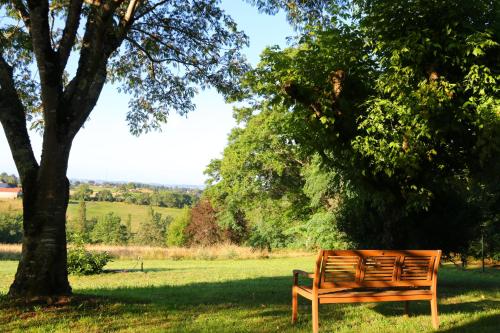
(100, 208)
(239, 296)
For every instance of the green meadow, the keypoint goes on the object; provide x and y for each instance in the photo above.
(100, 208)
(239, 296)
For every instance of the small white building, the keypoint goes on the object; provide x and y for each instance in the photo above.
(10, 192)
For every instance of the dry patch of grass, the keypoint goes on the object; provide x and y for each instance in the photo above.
(225, 251)
(11, 206)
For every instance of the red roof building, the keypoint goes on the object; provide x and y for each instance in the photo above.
(10, 192)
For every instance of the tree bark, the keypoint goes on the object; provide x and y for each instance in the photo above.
(42, 270)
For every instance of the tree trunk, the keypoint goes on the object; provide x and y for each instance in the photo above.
(42, 270)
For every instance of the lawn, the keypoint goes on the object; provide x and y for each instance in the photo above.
(240, 296)
(100, 208)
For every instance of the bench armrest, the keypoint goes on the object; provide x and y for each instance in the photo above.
(297, 272)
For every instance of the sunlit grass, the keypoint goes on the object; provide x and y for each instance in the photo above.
(138, 213)
(240, 296)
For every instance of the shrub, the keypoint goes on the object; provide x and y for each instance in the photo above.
(176, 235)
(83, 262)
(153, 230)
(109, 230)
(203, 230)
(11, 228)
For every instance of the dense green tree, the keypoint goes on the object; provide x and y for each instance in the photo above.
(79, 228)
(153, 230)
(56, 56)
(109, 230)
(104, 195)
(9, 179)
(396, 105)
(176, 233)
(11, 228)
(83, 192)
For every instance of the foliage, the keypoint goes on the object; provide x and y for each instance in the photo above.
(83, 262)
(153, 230)
(176, 233)
(104, 195)
(109, 230)
(384, 120)
(11, 180)
(135, 194)
(83, 193)
(203, 228)
(11, 228)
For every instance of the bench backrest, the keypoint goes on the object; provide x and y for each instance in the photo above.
(377, 268)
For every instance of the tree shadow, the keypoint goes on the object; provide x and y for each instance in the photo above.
(268, 298)
(487, 324)
(137, 270)
(266, 290)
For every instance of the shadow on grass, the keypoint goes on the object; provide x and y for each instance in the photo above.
(268, 298)
(135, 270)
(258, 291)
(488, 324)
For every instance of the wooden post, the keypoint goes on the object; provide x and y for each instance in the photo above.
(434, 313)
(315, 315)
(294, 305)
(407, 309)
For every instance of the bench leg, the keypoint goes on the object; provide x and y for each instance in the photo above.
(315, 315)
(294, 305)
(434, 313)
(406, 312)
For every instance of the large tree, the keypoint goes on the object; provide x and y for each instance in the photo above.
(397, 106)
(55, 58)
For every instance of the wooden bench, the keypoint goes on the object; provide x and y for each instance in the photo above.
(350, 276)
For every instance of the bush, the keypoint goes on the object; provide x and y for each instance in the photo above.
(203, 229)
(109, 230)
(153, 230)
(11, 228)
(83, 262)
(176, 235)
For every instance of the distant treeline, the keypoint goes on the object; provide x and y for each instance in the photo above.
(129, 193)
(12, 180)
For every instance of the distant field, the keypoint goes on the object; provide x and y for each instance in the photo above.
(98, 209)
(240, 296)
(11, 205)
(139, 213)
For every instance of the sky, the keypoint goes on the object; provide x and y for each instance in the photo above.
(105, 150)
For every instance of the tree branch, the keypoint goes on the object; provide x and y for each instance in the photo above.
(101, 38)
(69, 32)
(13, 120)
(48, 66)
(23, 12)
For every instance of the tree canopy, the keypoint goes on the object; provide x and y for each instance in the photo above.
(385, 115)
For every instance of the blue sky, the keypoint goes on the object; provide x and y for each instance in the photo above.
(105, 150)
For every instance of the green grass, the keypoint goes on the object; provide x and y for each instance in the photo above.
(138, 212)
(239, 296)
(98, 209)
